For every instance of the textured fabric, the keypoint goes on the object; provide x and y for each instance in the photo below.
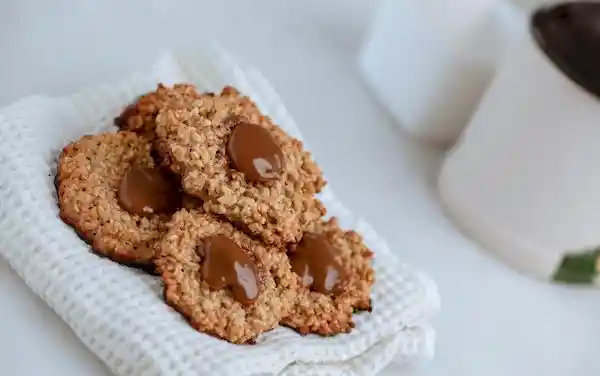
(118, 312)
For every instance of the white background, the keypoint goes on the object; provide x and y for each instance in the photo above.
(493, 321)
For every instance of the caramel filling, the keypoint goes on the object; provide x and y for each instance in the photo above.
(146, 191)
(315, 261)
(253, 151)
(227, 265)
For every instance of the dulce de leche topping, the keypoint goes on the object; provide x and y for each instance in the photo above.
(228, 265)
(314, 261)
(147, 191)
(569, 34)
(253, 152)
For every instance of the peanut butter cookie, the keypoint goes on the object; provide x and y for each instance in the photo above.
(114, 196)
(336, 279)
(225, 283)
(140, 116)
(242, 165)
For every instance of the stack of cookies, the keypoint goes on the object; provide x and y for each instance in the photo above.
(207, 192)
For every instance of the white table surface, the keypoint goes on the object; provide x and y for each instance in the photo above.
(493, 321)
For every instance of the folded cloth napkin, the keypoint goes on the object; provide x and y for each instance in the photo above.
(119, 312)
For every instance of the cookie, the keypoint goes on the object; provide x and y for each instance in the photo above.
(242, 165)
(140, 116)
(111, 192)
(192, 203)
(223, 282)
(336, 278)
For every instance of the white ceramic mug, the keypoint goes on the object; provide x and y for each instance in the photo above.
(524, 180)
(430, 61)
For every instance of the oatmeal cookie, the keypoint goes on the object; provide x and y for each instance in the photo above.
(140, 116)
(222, 281)
(335, 268)
(110, 191)
(244, 167)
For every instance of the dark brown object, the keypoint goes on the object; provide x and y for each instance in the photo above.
(254, 152)
(315, 262)
(146, 191)
(570, 36)
(227, 265)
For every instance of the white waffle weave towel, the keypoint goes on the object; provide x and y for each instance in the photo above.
(118, 312)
